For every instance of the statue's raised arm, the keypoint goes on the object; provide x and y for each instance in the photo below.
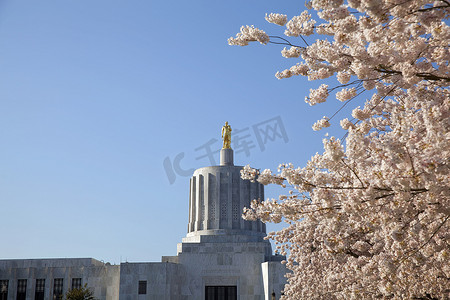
(226, 136)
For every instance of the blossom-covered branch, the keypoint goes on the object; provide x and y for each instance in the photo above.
(367, 218)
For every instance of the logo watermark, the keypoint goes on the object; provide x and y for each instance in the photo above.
(243, 141)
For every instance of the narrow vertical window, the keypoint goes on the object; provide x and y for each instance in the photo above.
(142, 287)
(21, 289)
(76, 283)
(40, 288)
(3, 289)
(58, 288)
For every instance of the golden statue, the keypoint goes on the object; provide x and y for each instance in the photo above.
(226, 136)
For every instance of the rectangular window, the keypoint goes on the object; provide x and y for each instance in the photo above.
(21, 289)
(221, 292)
(40, 288)
(142, 287)
(58, 288)
(76, 283)
(3, 289)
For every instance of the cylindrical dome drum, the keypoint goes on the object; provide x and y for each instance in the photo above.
(217, 198)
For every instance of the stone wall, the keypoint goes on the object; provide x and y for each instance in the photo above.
(163, 281)
(102, 278)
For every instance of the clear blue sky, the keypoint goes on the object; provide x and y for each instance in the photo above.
(96, 95)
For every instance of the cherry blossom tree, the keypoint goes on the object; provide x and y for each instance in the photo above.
(369, 217)
(81, 293)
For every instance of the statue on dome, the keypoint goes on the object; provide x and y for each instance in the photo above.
(226, 136)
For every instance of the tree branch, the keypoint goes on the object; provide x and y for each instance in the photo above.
(286, 42)
(360, 181)
(428, 76)
(429, 239)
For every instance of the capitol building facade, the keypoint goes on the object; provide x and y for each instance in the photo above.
(222, 257)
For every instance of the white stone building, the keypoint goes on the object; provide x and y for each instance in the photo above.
(223, 257)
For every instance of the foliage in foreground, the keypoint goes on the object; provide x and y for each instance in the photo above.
(82, 293)
(369, 219)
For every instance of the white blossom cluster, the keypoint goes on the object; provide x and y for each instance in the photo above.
(343, 77)
(291, 52)
(277, 19)
(298, 69)
(318, 95)
(249, 34)
(346, 94)
(300, 25)
(369, 218)
(322, 123)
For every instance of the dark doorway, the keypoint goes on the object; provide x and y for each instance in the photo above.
(221, 293)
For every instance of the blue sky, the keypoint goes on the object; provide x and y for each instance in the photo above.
(96, 95)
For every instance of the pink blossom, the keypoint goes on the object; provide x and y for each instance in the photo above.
(249, 34)
(343, 77)
(369, 218)
(320, 124)
(291, 52)
(317, 95)
(346, 94)
(277, 19)
(300, 25)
